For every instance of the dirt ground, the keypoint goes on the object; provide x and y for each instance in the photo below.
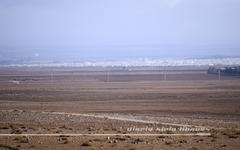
(109, 106)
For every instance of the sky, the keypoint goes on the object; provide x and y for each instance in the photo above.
(75, 29)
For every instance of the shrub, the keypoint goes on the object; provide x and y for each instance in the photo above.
(86, 144)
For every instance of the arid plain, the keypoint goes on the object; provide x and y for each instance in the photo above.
(99, 101)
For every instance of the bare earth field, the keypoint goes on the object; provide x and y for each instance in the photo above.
(118, 108)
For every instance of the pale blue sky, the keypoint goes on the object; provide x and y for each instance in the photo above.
(118, 28)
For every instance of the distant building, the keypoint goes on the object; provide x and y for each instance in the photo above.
(228, 70)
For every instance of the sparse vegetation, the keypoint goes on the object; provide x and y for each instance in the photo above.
(5, 127)
(32, 146)
(13, 126)
(106, 129)
(64, 138)
(121, 139)
(138, 140)
(167, 102)
(98, 140)
(64, 127)
(17, 138)
(232, 136)
(231, 133)
(16, 131)
(9, 147)
(86, 144)
(168, 143)
(24, 140)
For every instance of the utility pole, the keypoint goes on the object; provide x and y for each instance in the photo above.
(165, 73)
(51, 76)
(108, 76)
(219, 74)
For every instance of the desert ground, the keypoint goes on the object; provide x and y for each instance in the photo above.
(118, 108)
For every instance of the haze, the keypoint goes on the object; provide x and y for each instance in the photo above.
(75, 29)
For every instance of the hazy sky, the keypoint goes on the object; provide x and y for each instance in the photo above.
(112, 28)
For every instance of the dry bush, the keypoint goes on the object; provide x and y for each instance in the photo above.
(86, 144)
(5, 127)
(9, 147)
(64, 138)
(13, 126)
(168, 143)
(98, 140)
(24, 140)
(231, 133)
(16, 131)
(32, 146)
